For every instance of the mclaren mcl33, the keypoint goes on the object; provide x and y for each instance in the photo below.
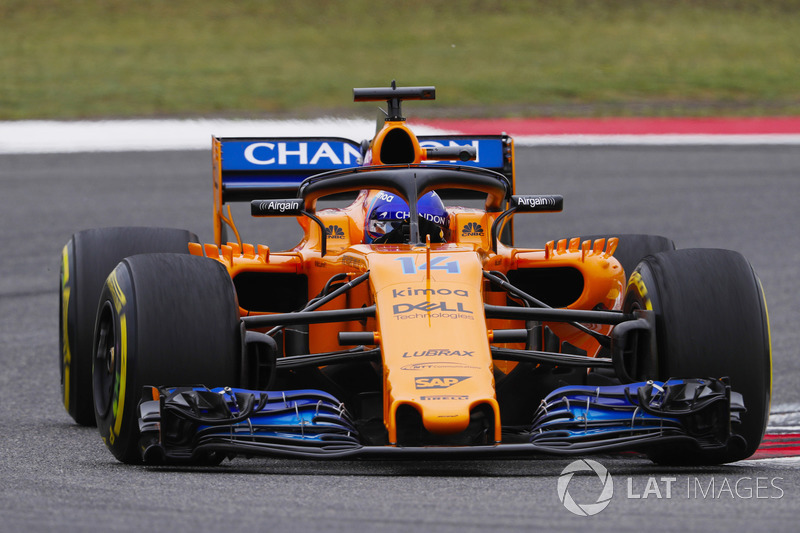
(403, 324)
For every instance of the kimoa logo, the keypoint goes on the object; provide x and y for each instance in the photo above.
(399, 293)
(334, 232)
(473, 229)
(585, 509)
(438, 382)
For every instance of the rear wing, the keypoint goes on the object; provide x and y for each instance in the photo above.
(247, 168)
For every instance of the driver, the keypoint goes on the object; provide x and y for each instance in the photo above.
(388, 219)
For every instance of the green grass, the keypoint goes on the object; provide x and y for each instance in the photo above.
(111, 58)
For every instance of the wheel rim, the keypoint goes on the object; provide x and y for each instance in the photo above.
(105, 361)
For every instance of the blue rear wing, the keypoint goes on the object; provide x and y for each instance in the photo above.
(248, 169)
(264, 168)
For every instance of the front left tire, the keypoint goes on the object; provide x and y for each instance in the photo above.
(163, 320)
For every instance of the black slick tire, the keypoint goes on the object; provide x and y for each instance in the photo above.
(86, 261)
(163, 320)
(711, 322)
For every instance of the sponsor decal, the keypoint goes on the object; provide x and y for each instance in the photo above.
(399, 309)
(399, 293)
(279, 207)
(355, 262)
(440, 352)
(537, 202)
(472, 229)
(489, 152)
(434, 144)
(438, 382)
(290, 154)
(444, 397)
(439, 263)
(334, 232)
(385, 196)
(439, 365)
(403, 215)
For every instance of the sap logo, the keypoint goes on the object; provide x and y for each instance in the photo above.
(437, 263)
(400, 309)
(438, 382)
(266, 153)
(473, 229)
(334, 232)
(398, 293)
(384, 196)
(435, 144)
(440, 352)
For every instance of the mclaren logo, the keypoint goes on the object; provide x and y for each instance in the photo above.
(473, 229)
(334, 232)
(438, 382)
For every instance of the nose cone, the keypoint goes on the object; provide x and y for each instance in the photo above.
(434, 338)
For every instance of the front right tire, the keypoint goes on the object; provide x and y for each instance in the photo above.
(711, 322)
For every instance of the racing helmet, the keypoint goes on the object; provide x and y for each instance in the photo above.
(389, 214)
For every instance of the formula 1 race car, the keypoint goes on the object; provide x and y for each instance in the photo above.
(401, 326)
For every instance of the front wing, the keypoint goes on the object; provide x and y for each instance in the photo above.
(184, 424)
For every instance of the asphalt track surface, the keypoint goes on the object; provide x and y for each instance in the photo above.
(58, 476)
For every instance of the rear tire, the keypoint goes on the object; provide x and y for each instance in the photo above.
(711, 321)
(87, 259)
(163, 320)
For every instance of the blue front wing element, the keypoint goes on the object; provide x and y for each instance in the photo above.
(186, 423)
(637, 415)
(190, 423)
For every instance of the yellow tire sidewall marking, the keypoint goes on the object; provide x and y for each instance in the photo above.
(66, 355)
(637, 282)
(118, 402)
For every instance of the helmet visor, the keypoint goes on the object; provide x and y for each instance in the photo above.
(377, 228)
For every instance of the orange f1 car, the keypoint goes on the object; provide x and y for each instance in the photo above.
(400, 325)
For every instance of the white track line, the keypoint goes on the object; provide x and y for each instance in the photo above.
(42, 137)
